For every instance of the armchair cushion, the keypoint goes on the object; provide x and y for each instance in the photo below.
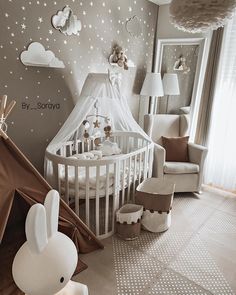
(176, 148)
(180, 168)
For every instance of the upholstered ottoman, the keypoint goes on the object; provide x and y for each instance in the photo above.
(156, 196)
(128, 221)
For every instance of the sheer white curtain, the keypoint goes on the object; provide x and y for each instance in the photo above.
(221, 160)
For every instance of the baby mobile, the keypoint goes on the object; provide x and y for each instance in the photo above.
(97, 124)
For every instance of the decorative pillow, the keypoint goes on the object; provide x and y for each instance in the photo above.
(176, 148)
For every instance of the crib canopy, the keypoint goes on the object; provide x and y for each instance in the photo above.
(104, 92)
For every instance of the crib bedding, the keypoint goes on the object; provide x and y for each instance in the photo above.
(124, 174)
(92, 176)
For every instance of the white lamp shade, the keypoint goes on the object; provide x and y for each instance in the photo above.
(171, 84)
(152, 85)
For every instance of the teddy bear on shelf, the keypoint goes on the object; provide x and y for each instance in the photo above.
(118, 57)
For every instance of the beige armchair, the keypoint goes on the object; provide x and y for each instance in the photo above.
(187, 176)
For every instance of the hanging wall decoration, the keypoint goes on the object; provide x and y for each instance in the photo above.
(197, 16)
(66, 22)
(133, 26)
(36, 55)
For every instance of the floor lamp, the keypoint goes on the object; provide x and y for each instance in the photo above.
(152, 86)
(170, 86)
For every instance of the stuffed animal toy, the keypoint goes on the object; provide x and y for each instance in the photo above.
(118, 57)
(46, 262)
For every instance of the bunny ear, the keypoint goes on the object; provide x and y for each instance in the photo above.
(51, 204)
(36, 228)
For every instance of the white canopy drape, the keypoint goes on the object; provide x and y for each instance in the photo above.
(104, 91)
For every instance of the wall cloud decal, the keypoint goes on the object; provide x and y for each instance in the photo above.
(66, 22)
(37, 55)
(133, 26)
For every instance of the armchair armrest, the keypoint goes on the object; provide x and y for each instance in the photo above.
(197, 154)
(159, 160)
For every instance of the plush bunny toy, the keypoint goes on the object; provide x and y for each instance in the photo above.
(46, 262)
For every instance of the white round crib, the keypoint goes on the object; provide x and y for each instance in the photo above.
(99, 187)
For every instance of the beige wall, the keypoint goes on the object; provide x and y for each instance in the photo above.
(103, 24)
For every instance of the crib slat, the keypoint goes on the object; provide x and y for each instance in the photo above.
(150, 162)
(82, 146)
(107, 198)
(75, 146)
(129, 172)
(121, 145)
(114, 196)
(70, 149)
(118, 185)
(66, 185)
(114, 193)
(135, 143)
(87, 197)
(140, 168)
(97, 199)
(58, 176)
(127, 144)
(134, 178)
(88, 146)
(123, 181)
(76, 182)
(145, 163)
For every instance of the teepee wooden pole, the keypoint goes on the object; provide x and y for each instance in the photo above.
(3, 134)
(3, 106)
(9, 109)
(4, 113)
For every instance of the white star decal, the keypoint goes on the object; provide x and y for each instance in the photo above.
(40, 19)
(23, 26)
(50, 32)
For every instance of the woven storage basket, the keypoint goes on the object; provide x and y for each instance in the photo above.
(128, 221)
(156, 196)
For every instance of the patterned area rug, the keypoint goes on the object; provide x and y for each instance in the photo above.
(197, 255)
(176, 261)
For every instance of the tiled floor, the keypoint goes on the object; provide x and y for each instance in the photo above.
(197, 255)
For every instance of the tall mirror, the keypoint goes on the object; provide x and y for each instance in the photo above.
(180, 62)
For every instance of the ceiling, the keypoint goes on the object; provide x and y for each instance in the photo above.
(160, 2)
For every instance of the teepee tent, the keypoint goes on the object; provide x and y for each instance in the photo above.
(101, 93)
(21, 185)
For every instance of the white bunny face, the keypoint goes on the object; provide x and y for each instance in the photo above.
(47, 260)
